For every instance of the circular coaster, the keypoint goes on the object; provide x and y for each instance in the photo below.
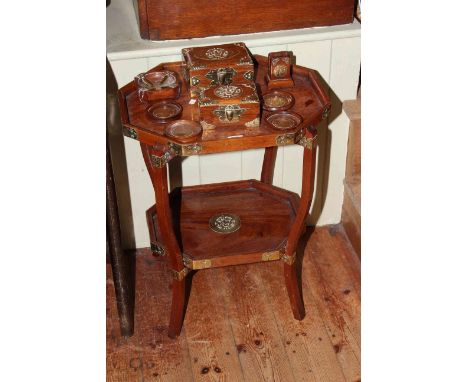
(165, 111)
(284, 120)
(184, 130)
(277, 100)
(224, 223)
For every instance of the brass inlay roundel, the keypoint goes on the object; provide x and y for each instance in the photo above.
(224, 223)
(280, 70)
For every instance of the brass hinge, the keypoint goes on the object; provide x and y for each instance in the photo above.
(180, 275)
(289, 259)
(160, 161)
(308, 143)
(157, 249)
(196, 264)
(185, 150)
(285, 139)
(271, 256)
(130, 132)
(326, 112)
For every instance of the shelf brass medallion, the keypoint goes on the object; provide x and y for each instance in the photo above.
(224, 223)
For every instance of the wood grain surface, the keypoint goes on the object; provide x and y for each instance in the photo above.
(166, 20)
(239, 326)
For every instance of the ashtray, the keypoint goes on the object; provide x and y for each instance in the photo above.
(277, 100)
(184, 130)
(165, 111)
(284, 120)
(157, 85)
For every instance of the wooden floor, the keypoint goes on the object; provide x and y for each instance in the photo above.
(239, 326)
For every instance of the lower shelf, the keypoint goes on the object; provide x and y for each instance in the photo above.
(266, 214)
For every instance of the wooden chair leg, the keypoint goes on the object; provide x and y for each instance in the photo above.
(179, 302)
(294, 290)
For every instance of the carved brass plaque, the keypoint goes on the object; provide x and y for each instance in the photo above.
(225, 223)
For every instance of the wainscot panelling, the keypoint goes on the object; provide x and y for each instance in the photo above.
(344, 78)
(333, 51)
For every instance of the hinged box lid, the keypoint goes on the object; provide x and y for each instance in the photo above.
(229, 94)
(215, 56)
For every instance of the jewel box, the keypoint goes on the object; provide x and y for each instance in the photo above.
(217, 65)
(229, 105)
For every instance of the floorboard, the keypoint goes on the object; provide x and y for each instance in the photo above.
(239, 325)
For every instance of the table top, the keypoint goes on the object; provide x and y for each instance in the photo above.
(311, 102)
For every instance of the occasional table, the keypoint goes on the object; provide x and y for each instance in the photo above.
(230, 223)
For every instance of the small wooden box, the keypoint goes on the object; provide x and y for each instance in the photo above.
(229, 105)
(217, 65)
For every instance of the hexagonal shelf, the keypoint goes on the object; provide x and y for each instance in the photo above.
(229, 223)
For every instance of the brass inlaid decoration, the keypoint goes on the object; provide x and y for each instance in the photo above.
(185, 150)
(180, 275)
(216, 53)
(285, 139)
(308, 143)
(156, 248)
(227, 91)
(280, 70)
(191, 149)
(207, 126)
(289, 259)
(253, 123)
(249, 76)
(326, 112)
(130, 132)
(160, 161)
(224, 223)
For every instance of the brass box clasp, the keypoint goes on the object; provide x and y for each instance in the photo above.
(229, 113)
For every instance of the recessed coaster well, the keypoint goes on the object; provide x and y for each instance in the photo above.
(184, 130)
(165, 111)
(277, 100)
(284, 120)
(225, 223)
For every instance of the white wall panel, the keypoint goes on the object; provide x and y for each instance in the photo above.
(222, 167)
(126, 70)
(344, 78)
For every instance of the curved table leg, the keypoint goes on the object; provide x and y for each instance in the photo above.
(291, 275)
(158, 174)
(268, 166)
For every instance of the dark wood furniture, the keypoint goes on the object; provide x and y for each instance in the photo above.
(183, 222)
(177, 19)
(119, 261)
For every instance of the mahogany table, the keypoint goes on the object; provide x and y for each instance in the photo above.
(231, 223)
